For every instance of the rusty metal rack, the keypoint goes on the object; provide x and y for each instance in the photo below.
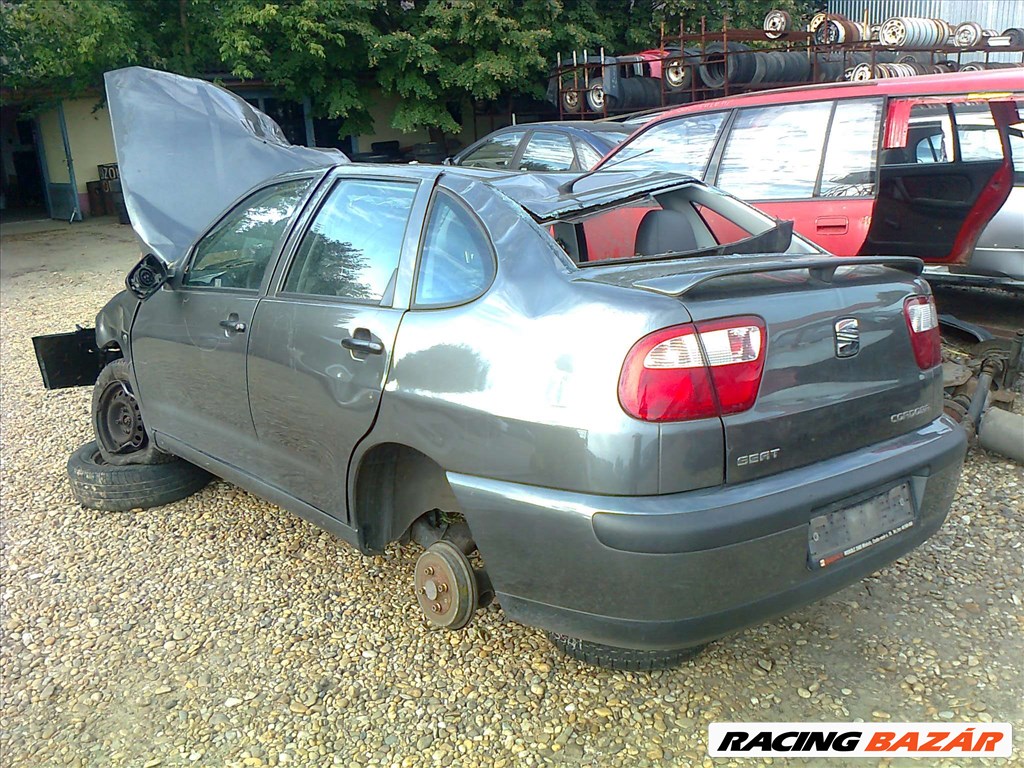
(693, 67)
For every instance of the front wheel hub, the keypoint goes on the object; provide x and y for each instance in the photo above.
(446, 586)
(119, 426)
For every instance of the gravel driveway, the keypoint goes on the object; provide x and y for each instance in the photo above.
(221, 631)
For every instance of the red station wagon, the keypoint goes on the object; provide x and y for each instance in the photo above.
(907, 166)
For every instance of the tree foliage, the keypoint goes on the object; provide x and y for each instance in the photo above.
(433, 54)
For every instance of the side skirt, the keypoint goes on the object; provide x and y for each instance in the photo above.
(264, 490)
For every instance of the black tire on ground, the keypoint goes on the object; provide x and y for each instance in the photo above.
(112, 488)
(117, 420)
(624, 659)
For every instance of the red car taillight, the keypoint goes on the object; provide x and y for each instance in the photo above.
(923, 323)
(694, 371)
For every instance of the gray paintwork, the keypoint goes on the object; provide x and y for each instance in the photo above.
(185, 147)
(505, 408)
(1000, 249)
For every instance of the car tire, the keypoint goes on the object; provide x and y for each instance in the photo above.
(595, 97)
(623, 659)
(112, 396)
(113, 488)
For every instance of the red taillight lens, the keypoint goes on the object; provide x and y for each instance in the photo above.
(735, 349)
(923, 324)
(694, 371)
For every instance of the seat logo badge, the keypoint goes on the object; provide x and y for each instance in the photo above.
(847, 337)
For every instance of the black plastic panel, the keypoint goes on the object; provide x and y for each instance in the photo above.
(68, 359)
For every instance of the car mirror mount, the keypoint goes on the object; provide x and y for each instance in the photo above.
(146, 277)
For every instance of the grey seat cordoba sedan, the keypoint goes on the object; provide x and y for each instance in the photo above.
(657, 414)
(649, 451)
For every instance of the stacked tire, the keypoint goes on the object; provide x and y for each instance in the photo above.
(119, 488)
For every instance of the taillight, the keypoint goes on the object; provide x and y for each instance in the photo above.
(694, 371)
(923, 323)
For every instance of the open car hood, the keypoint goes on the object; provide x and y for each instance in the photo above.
(186, 149)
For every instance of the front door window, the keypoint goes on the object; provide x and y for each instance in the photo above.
(236, 253)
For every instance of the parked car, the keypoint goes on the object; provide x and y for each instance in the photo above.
(648, 452)
(556, 146)
(860, 167)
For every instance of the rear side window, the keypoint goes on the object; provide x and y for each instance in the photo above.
(495, 153)
(849, 169)
(457, 263)
(680, 146)
(547, 151)
(773, 153)
(352, 247)
(588, 156)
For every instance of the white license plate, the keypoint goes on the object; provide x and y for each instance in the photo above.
(847, 531)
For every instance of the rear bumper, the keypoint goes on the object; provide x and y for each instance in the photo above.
(677, 570)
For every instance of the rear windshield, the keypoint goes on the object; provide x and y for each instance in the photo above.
(691, 221)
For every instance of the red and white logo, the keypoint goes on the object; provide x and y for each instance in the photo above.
(859, 740)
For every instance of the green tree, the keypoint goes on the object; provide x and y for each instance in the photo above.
(65, 45)
(314, 48)
(433, 54)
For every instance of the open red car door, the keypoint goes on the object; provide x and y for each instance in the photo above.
(940, 178)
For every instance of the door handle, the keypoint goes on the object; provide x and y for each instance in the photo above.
(233, 324)
(361, 341)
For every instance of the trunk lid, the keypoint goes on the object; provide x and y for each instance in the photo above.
(812, 404)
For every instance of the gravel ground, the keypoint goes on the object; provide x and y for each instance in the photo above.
(220, 631)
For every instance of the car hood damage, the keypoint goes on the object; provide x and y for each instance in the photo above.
(187, 148)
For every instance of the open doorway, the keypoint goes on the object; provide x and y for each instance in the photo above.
(22, 187)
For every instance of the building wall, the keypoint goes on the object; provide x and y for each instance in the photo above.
(90, 138)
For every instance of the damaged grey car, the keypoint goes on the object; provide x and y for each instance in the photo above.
(656, 414)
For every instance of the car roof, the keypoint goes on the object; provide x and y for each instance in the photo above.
(1001, 80)
(544, 195)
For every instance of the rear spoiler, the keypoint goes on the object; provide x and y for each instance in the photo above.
(821, 267)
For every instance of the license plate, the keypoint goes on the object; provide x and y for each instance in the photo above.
(847, 531)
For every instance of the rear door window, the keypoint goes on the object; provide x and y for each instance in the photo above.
(547, 151)
(352, 248)
(588, 156)
(773, 153)
(495, 153)
(682, 146)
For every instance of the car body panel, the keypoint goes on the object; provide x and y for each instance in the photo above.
(634, 572)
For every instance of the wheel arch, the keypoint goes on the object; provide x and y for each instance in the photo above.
(392, 485)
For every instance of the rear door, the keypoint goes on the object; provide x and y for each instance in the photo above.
(321, 343)
(935, 198)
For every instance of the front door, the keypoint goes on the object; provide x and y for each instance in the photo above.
(189, 339)
(321, 344)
